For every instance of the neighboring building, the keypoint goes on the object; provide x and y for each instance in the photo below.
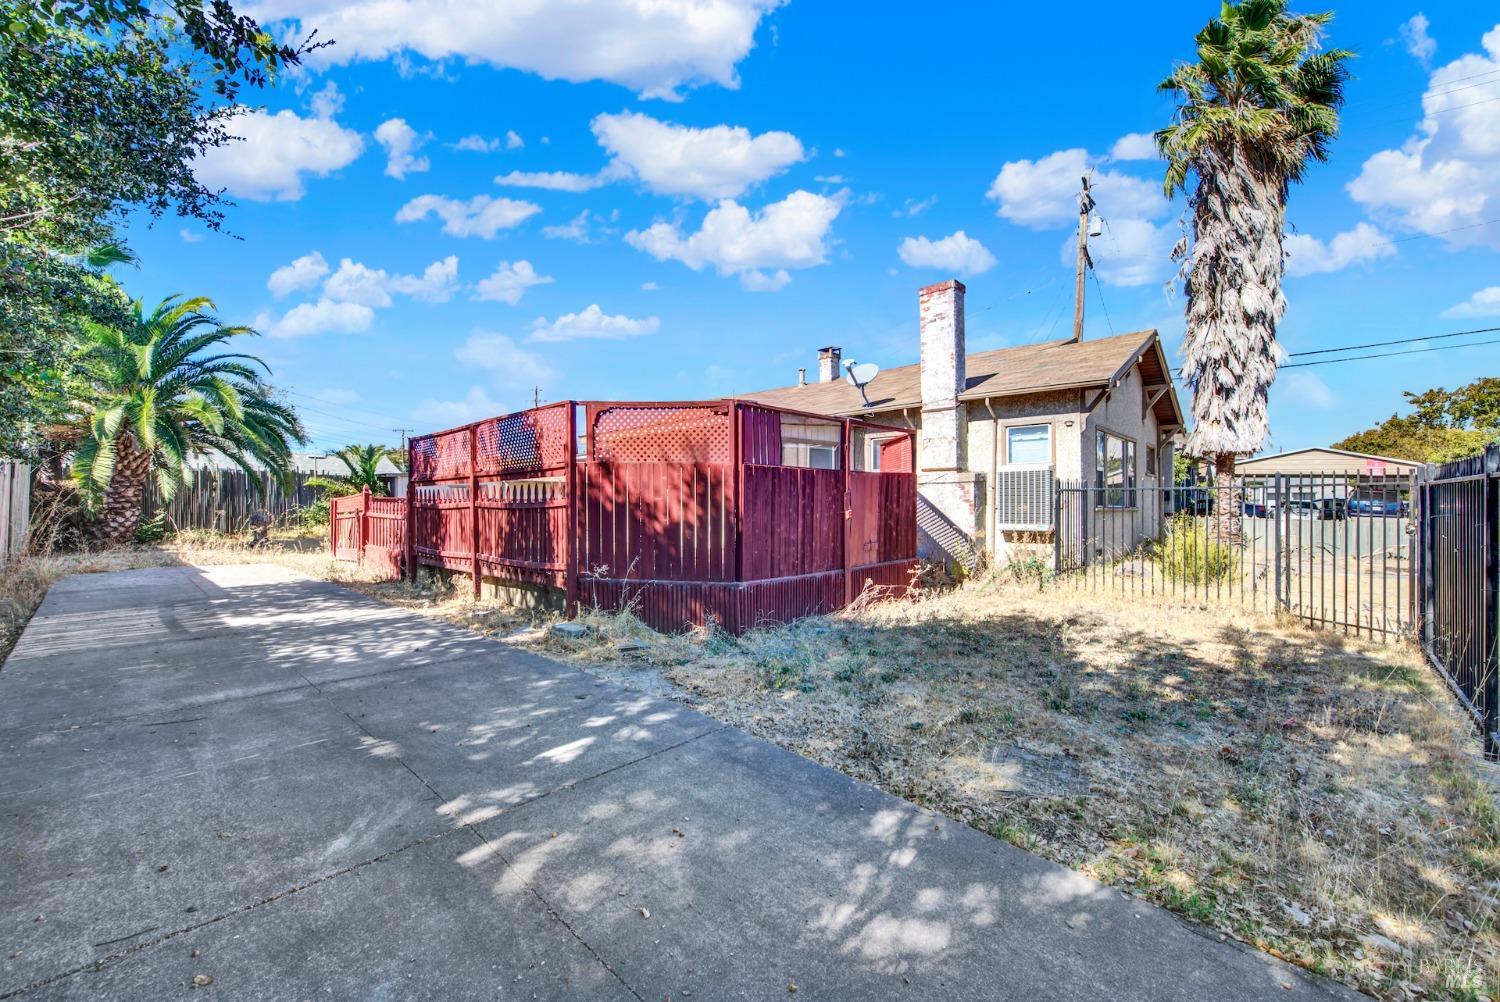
(1312, 474)
(329, 465)
(998, 429)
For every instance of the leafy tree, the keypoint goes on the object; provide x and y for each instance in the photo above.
(1442, 427)
(103, 109)
(1254, 111)
(163, 390)
(363, 465)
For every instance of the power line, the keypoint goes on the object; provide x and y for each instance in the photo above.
(1438, 233)
(1404, 340)
(1391, 354)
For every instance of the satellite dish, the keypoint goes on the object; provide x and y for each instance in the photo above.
(859, 375)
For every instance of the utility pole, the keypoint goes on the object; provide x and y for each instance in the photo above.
(402, 432)
(536, 396)
(1085, 206)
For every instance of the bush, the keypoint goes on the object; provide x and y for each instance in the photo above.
(1186, 554)
(314, 515)
(154, 529)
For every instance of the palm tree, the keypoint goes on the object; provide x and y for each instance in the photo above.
(160, 390)
(363, 465)
(1257, 108)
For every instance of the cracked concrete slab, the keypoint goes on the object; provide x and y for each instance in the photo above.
(326, 797)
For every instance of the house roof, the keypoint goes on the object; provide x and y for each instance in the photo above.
(1031, 368)
(1322, 460)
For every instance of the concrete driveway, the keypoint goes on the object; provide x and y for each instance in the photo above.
(285, 790)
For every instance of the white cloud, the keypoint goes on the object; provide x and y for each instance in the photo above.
(509, 282)
(792, 233)
(322, 317)
(591, 324)
(1445, 179)
(913, 207)
(401, 142)
(958, 253)
(761, 281)
(551, 180)
(831, 179)
(475, 143)
(358, 283)
(1307, 389)
(1130, 252)
(721, 161)
(337, 395)
(1043, 194)
(480, 216)
(1135, 146)
(576, 229)
(475, 404)
(655, 47)
(1419, 44)
(327, 102)
(1484, 303)
(303, 273)
(1307, 255)
(189, 237)
(506, 361)
(650, 287)
(274, 152)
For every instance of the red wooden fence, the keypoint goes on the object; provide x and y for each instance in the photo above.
(686, 513)
(368, 529)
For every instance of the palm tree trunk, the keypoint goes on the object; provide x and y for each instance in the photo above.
(121, 514)
(1227, 525)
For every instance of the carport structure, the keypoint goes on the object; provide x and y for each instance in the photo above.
(686, 513)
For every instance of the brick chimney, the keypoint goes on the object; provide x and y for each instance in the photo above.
(944, 427)
(828, 364)
(948, 493)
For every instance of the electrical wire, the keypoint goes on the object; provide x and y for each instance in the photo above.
(1404, 340)
(1390, 354)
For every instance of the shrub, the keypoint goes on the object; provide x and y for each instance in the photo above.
(313, 515)
(153, 529)
(1186, 554)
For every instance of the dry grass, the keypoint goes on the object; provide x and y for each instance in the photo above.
(1316, 797)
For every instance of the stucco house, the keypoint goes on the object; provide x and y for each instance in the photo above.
(998, 429)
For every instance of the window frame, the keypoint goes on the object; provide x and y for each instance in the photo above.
(1006, 430)
(1129, 487)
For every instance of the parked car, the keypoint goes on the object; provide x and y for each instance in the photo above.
(1258, 509)
(1322, 509)
(1388, 508)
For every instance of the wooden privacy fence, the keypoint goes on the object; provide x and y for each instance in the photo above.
(368, 529)
(685, 513)
(223, 500)
(15, 508)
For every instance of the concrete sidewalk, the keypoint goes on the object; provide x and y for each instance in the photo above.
(239, 774)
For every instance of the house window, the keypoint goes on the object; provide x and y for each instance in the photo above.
(1150, 460)
(1028, 445)
(1114, 471)
(823, 457)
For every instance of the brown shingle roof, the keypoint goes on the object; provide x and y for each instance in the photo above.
(1031, 368)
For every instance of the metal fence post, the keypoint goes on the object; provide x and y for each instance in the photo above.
(1491, 624)
(1278, 493)
(1057, 528)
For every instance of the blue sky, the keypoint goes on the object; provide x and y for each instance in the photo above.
(632, 200)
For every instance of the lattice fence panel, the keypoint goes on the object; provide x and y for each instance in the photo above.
(528, 441)
(667, 434)
(440, 457)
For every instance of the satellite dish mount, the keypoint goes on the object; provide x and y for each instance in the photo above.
(859, 375)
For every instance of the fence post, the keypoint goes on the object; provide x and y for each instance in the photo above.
(474, 505)
(1057, 528)
(409, 542)
(1278, 497)
(1491, 624)
(364, 523)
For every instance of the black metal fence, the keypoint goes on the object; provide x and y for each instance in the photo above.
(1458, 578)
(1333, 549)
